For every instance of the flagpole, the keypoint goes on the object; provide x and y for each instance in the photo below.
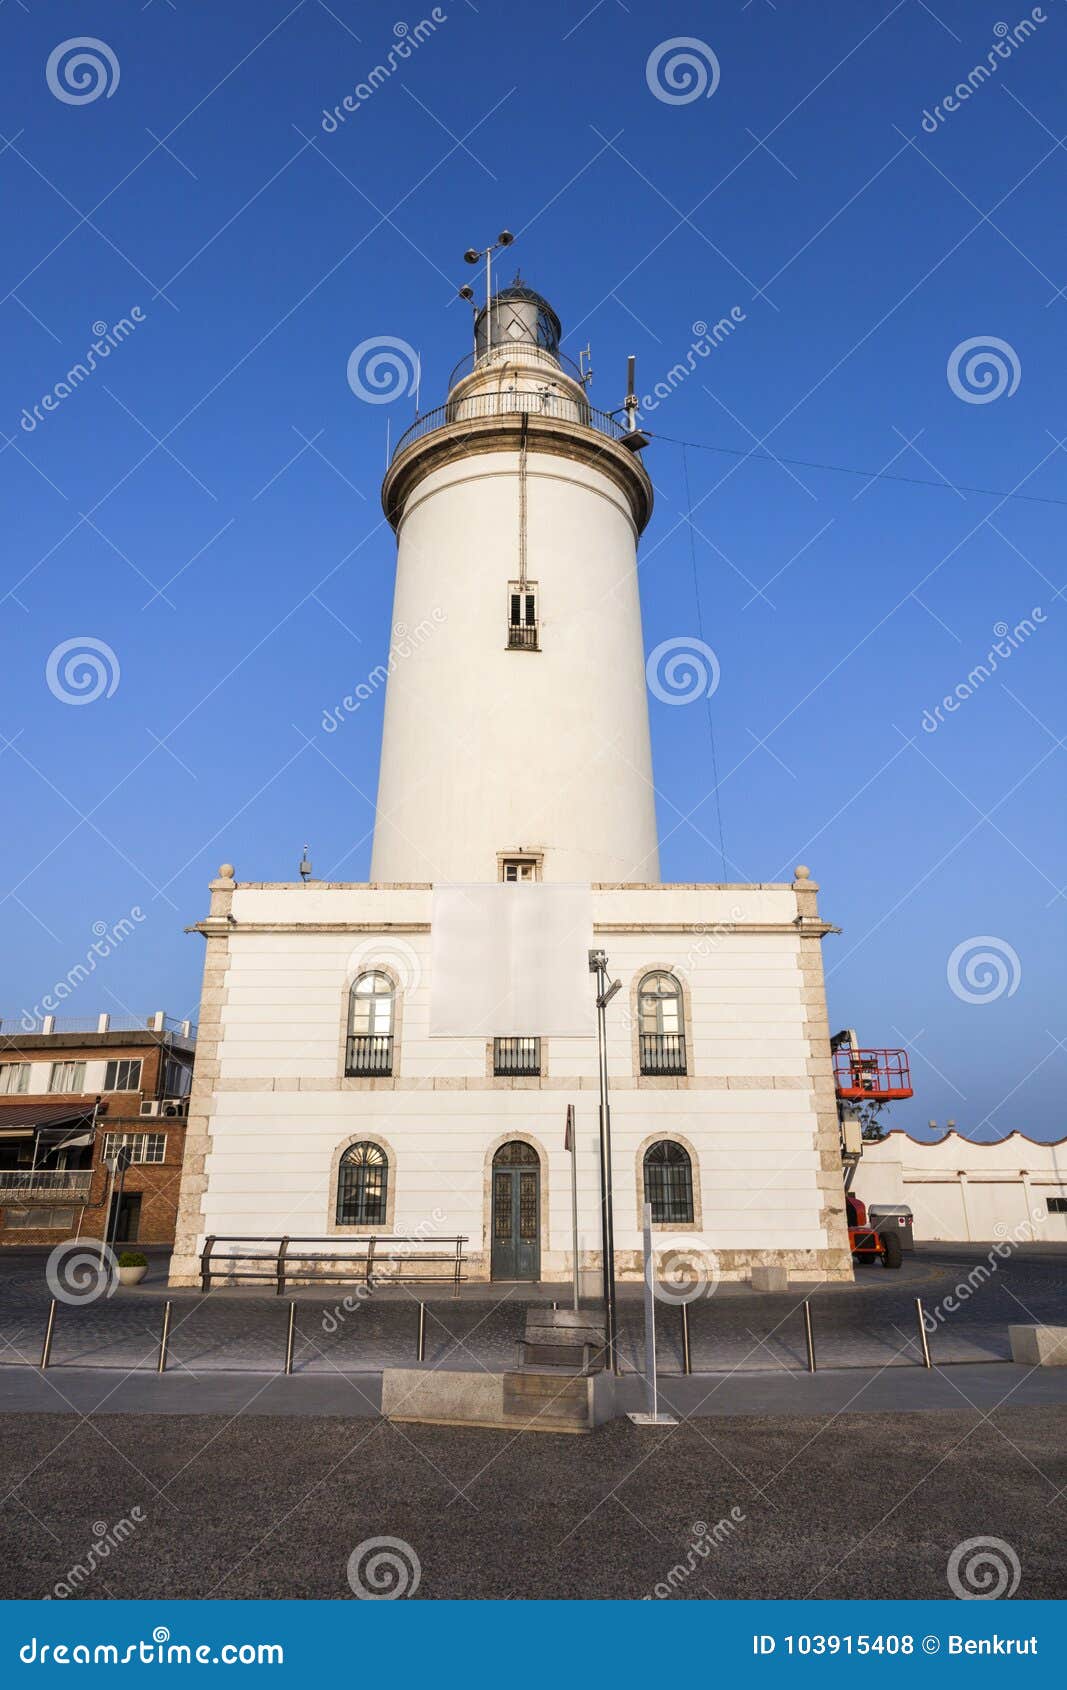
(573, 1137)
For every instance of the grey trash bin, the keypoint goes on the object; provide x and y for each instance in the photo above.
(893, 1217)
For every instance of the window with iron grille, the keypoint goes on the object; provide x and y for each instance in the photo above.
(123, 1074)
(67, 1076)
(1056, 1205)
(661, 1030)
(516, 1056)
(371, 1018)
(522, 616)
(14, 1076)
(362, 1186)
(669, 1183)
(140, 1147)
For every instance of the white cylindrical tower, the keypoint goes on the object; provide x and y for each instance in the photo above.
(516, 717)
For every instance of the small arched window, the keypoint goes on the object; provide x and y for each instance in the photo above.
(669, 1183)
(371, 1020)
(363, 1186)
(661, 1028)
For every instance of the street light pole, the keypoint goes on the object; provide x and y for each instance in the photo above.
(598, 965)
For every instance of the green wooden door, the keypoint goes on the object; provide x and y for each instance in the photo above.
(516, 1217)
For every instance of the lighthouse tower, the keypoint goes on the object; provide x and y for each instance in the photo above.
(392, 1062)
(516, 733)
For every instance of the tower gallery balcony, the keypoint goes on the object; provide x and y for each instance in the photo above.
(558, 407)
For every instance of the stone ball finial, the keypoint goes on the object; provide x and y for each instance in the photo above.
(225, 871)
(802, 872)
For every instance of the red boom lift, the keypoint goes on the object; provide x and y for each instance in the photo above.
(866, 1076)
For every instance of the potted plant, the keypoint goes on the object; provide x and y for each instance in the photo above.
(132, 1267)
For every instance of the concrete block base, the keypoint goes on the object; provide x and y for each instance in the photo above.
(526, 1402)
(770, 1278)
(1039, 1346)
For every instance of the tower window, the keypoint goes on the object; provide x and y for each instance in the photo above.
(522, 616)
(520, 868)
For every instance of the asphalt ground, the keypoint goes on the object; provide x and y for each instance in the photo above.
(848, 1506)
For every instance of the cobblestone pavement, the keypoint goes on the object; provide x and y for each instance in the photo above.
(870, 1324)
(846, 1505)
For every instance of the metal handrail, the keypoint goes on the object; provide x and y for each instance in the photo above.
(283, 1263)
(558, 405)
(517, 353)
(369, 1056)
(662, 1053)
(53, 1180)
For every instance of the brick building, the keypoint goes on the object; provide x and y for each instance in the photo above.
(72, 1094)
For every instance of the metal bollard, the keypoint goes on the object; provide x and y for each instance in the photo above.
(289, 1338)
(46, 1348)
(422, 1332)
(687, 1358)
(164, 1339)
(809, 1335)
(926, 1362)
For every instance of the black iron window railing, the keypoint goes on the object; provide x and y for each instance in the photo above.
(369, 1055)
(662, 1053)
(516, 1057)
(522, 636)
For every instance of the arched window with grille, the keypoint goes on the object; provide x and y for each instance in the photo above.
(371, 1026)
(363, 1186)
(669, 1183)
(661, 1024)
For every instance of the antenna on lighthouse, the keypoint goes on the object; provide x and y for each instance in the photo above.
(634, 439)
(585, 364)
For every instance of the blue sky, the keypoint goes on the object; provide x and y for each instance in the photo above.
(205, 503)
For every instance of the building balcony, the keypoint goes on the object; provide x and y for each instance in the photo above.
(516, 1058)
(662, 1053)
(369, 1056)
(46, 1182)
(522, 636)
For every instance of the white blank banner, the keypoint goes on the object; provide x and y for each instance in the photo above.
(509, 959)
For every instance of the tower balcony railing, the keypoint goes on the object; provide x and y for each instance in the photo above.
(522, 636)
(516, 1057)
(562, 407)
(369, 1056)
(510, 352)
(662, 1053)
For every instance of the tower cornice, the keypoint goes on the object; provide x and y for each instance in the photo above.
(445, 442)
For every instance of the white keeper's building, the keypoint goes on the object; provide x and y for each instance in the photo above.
(397, 1057)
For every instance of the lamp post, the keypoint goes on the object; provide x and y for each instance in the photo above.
(598, 965)
(474, 256)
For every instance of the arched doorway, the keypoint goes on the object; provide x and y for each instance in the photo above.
(516, 1216)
